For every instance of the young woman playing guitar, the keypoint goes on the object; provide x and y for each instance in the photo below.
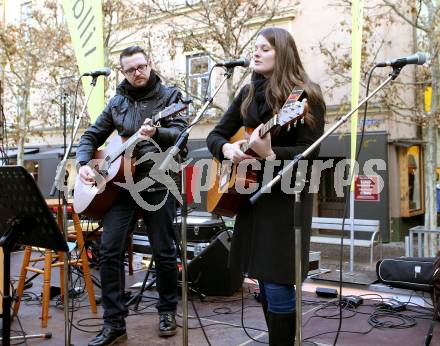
(263, 241)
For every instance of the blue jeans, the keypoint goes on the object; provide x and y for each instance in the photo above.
(280, 298)
(118, 221)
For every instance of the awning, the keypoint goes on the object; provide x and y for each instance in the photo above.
(56, 153)
(12, 153)
(406, 143)
(40, 153)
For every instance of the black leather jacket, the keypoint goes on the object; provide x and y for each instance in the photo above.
(125, 115)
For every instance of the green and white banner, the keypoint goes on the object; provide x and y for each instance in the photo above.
(356, 52)
(85, 22)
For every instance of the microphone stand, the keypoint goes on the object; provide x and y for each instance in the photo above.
(297, 206)
(180, 142)
(61, 170)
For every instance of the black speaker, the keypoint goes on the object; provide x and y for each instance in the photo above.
(209, 272)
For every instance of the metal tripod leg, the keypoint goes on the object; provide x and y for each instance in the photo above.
(138, 297)
(190, 283)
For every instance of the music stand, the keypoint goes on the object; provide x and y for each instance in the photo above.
(25, 219)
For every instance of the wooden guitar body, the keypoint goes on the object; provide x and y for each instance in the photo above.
(223, 197)
(94, 200)
(109, 165)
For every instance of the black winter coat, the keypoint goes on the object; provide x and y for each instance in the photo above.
(264, 238)
(126, 115)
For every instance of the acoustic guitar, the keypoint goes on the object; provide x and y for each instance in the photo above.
(223, 197)
(108, 165)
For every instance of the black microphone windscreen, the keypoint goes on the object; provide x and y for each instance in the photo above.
(246, 63)
(104, 71)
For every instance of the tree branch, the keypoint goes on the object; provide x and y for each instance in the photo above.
(404, 17)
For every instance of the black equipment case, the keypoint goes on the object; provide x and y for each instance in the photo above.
(414, 273)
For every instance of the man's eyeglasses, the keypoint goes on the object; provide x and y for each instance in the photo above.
(132, 71)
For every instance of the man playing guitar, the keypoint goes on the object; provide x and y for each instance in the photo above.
(138, 98)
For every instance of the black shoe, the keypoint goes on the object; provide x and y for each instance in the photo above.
(108, 336)
(167, 324)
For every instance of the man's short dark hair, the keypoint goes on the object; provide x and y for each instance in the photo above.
(132, 50)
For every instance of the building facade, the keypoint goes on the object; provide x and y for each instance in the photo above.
(322, 34)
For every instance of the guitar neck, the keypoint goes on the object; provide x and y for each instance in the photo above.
(267, 127)
(276, 119)
(121, 150)
(133, 140)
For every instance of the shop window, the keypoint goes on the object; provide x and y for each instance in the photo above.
(329, 203)
(198, 77)
(25, 10)
(411, 181)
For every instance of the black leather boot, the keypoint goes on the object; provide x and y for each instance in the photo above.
(282, 329)
(264, 306)
(167, 324)
(108, 336)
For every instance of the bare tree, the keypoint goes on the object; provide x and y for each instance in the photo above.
(423, 17)
(123, 20)
(34, 52)
(377, 20)
(221, 29)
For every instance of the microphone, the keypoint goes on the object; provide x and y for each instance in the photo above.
(415, 59)
(105, 71)
(233, 63)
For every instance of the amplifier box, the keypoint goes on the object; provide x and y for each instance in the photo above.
(142, 245)
(200, 227)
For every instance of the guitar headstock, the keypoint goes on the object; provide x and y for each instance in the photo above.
(170, 111)
(292, 112)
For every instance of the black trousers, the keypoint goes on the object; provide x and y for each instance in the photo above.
(118, 221)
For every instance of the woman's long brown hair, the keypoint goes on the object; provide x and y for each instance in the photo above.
(288, 72)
